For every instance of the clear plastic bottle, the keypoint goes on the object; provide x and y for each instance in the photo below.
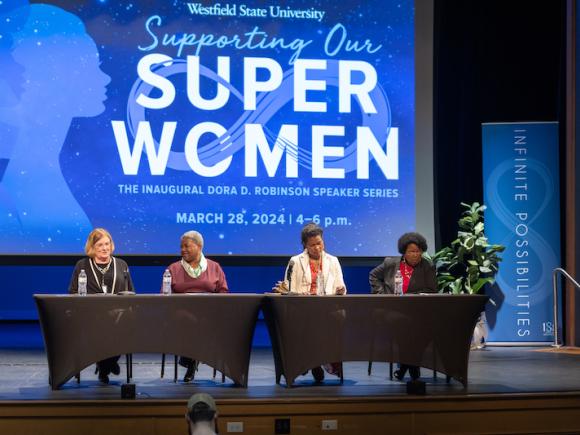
(398, 283)
(320, 284)
(166, 289)
(82, 283)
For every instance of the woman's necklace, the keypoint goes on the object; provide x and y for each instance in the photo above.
(315, 264)
(407, 270)
(105, 269)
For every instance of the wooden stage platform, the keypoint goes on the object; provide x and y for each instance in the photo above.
(511, 390)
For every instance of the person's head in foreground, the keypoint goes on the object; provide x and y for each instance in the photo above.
(201, 415)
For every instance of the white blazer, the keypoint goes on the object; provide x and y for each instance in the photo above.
(301, 278)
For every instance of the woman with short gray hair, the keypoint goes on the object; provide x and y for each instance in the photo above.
(194, 236)
(195, 274)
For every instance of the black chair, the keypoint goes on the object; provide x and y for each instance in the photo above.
(174, 365)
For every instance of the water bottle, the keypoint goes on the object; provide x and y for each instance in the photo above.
(83, 283)
(398, 283)
(166, 282)
(319, 284)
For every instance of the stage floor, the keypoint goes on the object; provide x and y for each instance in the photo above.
(493, 370)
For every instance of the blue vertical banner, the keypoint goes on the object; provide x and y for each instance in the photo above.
(521, 192)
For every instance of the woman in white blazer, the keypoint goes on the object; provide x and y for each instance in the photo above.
(314, 272)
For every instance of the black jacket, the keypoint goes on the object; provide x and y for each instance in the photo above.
(117, 278)
(423, 280)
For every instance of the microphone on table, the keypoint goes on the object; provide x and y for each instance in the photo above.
(126, 286)
(289, 275)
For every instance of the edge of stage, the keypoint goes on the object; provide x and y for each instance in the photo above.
(510, 390)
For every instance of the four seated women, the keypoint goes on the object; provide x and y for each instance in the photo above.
(312, 272)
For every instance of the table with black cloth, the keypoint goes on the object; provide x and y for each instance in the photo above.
(214, 328)
(432, 331)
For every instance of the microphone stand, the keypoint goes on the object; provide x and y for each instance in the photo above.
(289, 276)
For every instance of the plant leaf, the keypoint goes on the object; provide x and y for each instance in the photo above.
(470, 262)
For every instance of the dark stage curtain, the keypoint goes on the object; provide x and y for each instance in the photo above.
(494, 61)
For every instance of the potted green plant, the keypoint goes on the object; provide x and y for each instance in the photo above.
(470, 262)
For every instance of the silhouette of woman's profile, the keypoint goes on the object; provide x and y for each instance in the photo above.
(61, 80)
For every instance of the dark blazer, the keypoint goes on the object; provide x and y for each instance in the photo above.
(423, 280)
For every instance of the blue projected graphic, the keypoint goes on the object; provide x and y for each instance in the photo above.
(243, 121)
